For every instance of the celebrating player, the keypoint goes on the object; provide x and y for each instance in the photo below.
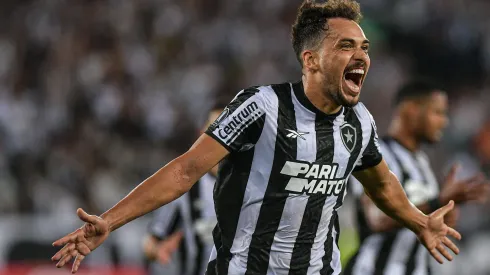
(286, 152)
(386, 248)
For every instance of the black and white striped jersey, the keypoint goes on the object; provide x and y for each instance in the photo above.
(194, 214)
(397, 252)
(279, 189)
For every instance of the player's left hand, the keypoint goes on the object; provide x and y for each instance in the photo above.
(435, 236)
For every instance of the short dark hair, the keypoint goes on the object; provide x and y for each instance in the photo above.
(311, 21)
(416, 89)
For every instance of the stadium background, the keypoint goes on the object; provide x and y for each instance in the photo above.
(97, 95)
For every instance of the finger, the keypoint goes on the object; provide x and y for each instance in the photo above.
(475, 179)
(452, 172)
(70, 238)
(436, 255)
(453, 233)
(67, 258)
(444, 252)
(86, 217)
(164, 257)
(447, 242)
(83, 249)
(76, 263)
(66, 249)
(444, 210)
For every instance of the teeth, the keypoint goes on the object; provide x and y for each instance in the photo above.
(356, 71)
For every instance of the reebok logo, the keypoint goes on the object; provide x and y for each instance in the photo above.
(312, 178)
(295, 134)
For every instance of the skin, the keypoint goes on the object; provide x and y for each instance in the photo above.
(325, 88)
(419, 121)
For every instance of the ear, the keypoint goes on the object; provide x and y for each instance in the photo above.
(409, 108)
(311, 60)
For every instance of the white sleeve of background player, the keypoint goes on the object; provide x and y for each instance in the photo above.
(239, 126)
(164, 218)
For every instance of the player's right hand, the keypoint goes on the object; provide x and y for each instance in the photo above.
(82, 241)
(476, 188)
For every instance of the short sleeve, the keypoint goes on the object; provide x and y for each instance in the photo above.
(239, 126)
(166, 220)
(371, 156)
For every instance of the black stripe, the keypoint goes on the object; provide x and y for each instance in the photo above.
(229, 191)
(327, 259)
(196, 214)
(405, 175)
(352, 119)
(300, 259)
(211, 269)
(275, 195)
(349, 268)
(384, 252)
(411, 262)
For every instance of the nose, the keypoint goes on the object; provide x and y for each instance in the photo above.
(360, 55)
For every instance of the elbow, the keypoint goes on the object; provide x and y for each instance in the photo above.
(185, 175)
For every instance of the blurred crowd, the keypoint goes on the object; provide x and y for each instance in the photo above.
(97, 95)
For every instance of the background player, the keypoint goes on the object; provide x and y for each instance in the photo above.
(386, 248)
(185, 223)
(287, 151)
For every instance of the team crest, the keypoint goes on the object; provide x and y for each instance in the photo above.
(348, 136)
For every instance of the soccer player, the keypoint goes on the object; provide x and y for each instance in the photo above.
(386, 248)
(191, 218)
(286, 151)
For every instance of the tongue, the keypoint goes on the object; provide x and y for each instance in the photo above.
(352, 85)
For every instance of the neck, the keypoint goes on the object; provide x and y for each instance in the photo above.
(315, 93)
(403, 135)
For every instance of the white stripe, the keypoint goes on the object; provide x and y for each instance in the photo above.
(367, 256)
(400, 252)
(341, 157)
(421, 261)
(256, 186)
(294, 208)
(430, 178)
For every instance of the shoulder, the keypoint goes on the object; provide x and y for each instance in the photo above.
(362, 112)
(265, 96)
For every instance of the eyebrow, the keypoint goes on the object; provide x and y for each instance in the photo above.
(353, 41)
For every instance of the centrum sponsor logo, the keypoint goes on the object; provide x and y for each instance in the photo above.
(238, 120)
(312, 178)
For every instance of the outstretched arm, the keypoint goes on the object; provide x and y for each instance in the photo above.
(384, 189)
(166, 185)
(475, 188)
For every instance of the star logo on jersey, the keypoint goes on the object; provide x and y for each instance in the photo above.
(349, 137)
(295, 134)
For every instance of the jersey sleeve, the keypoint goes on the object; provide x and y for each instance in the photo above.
(239, 126)
(166, 220)
(371, 156)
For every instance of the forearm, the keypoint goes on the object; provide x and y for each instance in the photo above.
(166, 185)
(380, 222)
(389, 196)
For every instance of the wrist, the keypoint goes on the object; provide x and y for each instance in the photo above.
(110, 223)
(421, 223)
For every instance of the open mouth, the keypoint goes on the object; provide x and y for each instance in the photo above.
(353, 79)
